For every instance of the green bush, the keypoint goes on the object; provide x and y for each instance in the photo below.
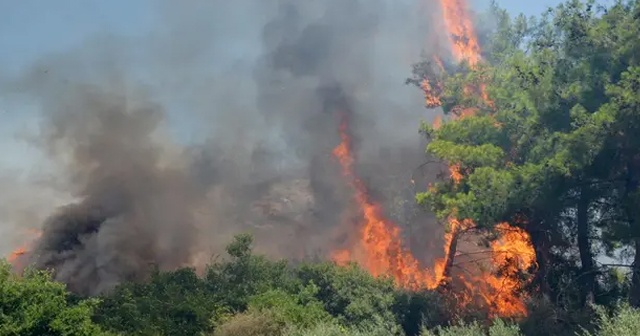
(334, 329)
(244, 275)
(253, 323)
(250, 295)
(499, 328)
(625, 322)
(33, 304)
(171, 303)
(301, 310)
(414, 310)
(351, 294)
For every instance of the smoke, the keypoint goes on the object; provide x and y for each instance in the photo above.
(222, 119)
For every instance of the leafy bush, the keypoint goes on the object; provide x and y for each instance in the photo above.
(414, 310)
(625, 322)
(171, 303)
(499, 328)
(251, 324)
(235, 281)
(351, 294)
(334, 329)
(33, 304)
(301, 310)
(547, 318)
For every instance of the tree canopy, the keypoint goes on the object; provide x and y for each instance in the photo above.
(553, 149)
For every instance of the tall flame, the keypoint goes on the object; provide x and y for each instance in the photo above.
(512, 252)
(463, 39)
(380, 250)
(461, 33)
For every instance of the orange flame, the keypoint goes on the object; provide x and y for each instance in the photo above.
(379, 249)
(512, 252)
(455, 173)
(464, 47)
(13, 257)
(500, 289)
(431, 87)
(16, 257)
(462, 35)
(431, 95)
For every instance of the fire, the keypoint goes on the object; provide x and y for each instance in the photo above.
(431, 94)
(512, 253)
(16, 257)
(13, 257)
(432, 87)
(437, 122)
(496, 284)
(455, 173)
(462, 35)
(379, 249)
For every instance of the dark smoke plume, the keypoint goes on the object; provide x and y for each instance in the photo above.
(223, 120)
(133, 209)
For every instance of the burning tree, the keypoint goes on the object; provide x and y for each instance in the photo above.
(471, 200)
(539, 148)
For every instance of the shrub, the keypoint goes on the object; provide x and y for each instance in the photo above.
(351, 294)
(413, 310)
(251, 324)
(334, 329)
(171, 303)
(33, 304)
(625, 322)
(235, 281)
(301, 310)
(499, 328)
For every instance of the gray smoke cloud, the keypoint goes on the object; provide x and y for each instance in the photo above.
(223, 119)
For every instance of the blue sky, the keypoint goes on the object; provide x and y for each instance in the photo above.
(30, 29)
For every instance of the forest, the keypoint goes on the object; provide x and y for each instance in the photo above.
(540, 134)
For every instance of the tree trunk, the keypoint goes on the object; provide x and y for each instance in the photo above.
(450, 255)
(587, 272)
(634, 292)
(542, 245)
(631, 190)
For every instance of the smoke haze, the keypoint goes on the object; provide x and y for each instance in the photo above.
(218, 121)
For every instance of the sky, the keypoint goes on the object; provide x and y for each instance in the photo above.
(31, 29)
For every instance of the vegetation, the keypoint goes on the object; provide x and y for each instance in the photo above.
(33, 304)
(309, 300)
(552, 146)
(554, 149)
